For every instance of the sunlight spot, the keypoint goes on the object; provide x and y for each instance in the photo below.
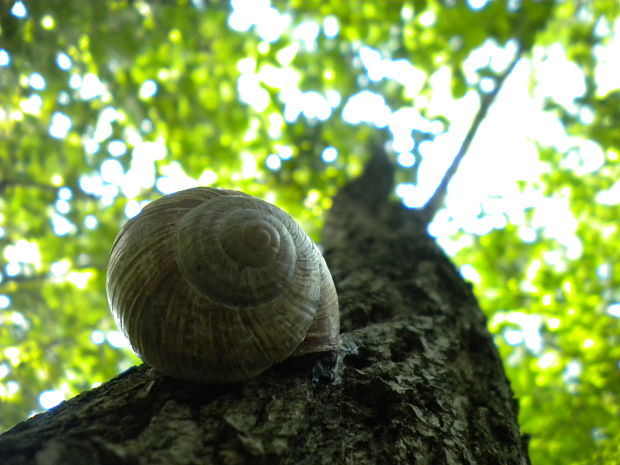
(36, 81)
(148, 89)
(12, 354)
(263, 48)
(174, 35)
(91, 184)
(249, 169)
(65, 193)
(48, 22)
(371, 59)
(530, 326)
(276, 122)
(60, 125)
(487, 85)
(23, 251)
(307, 33)
(251, 92)
(329, 154)
(50, 399)
(331, 27)
(90, 222)
(312, 198)
(63, 207)
(588, 343)
(63, 61)
(608, 62)
(117, 339)
(604, 271)
(80, 278)
(141, 174)
(12, 269)
(407, 192)
(5, 58)
(32, 105)
(273, 162)
(174, 179)
(315, 106)
(585, 158)
(207, 178)
(477, 4)
(4, 370)
(286, 55)
(547, 360)
(5, 301)
(279, 78)
(112, 171)
(62, 226)
(614, 310)
(12, 387)
(270, 24)
(572, 372)
(311, 104)
(565, 90)
(15, 115)
(533, 269)
(554, 323)
(154, 150)
(527, 234)
(97, 337)
(116, 148)
(246, 65)
(427, 18)
(91, 87)
(75, 81)
(285, 152)
(245, 12)
(333, 97)
(406, 13)
(19, 9)
(513, 336)
(400, 70)
(132, 208)
(402, 122)
(610, 196)
(586, 115)
(558, 221)
(367, 107)
(469, 273)
(406, 159)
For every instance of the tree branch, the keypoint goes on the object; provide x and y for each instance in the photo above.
(436, 201)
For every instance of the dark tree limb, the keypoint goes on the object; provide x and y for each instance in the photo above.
(486, 101)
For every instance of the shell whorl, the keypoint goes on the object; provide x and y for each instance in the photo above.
(217, 286)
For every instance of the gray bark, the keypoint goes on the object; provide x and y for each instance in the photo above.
(419, 380)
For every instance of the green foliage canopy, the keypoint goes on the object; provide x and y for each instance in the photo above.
(105, 105)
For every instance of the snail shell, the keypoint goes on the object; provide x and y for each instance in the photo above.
(216, 286)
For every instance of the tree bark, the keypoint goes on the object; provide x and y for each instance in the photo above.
(419, 380)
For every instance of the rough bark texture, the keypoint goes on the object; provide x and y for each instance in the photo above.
(419, 380)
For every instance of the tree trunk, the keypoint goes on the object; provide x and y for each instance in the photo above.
(419, 380)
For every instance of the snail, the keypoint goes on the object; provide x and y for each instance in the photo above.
(216, 286)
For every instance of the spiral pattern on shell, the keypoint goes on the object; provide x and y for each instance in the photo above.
(216, 286)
